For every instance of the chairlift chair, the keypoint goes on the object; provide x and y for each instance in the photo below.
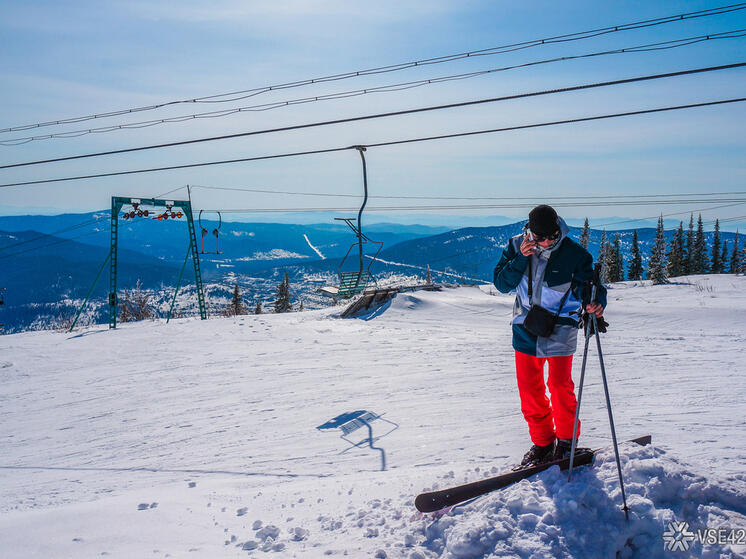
(215, 232)
(352, 282)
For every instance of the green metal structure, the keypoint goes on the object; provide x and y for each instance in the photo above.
(116, 205)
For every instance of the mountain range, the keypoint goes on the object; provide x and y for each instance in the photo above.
(49, 263)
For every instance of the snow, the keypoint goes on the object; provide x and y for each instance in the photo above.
(316, 250)
(200, 439)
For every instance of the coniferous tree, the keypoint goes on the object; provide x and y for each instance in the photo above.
(724, 258)
(657, 265)
(635, 267)
(428, 277)
(613, 256)
(676, 253)
(282, 303)
(689, 258)
(700, 249)
(603, 258)
(734, 268)
(585, 234)
(258, 309)
(236, 306)
(619, 259)
(717, 262)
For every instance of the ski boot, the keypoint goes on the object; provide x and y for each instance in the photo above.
(536, 455)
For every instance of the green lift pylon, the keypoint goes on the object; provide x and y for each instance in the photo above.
(116, 205)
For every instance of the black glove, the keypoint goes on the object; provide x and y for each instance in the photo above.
(602, 324)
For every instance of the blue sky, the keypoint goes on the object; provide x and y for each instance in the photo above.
(70, 59)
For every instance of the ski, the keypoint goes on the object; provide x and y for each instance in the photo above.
(437, 500)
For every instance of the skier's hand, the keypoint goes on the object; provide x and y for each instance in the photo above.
(596, 309)
(528, 246)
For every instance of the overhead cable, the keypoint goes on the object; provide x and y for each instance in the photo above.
(739, 33)
(243, 94)
(390, 197)
(386, 114)
(381, 144)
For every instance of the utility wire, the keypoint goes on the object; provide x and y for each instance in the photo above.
(243, 94)
(598, 204)
(57, 241)
(53, 233)
(385, 115)
(379, 89)
(381, 144)
(388, 197)
(665, 215)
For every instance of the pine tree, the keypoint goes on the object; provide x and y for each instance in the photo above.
(282, 303)
(236, 306)
(724, 258)
(585, 235)
(258, 309)
(603, 250)
(428, 277)
(717, 263)
(734, 268)
(619, 264)
(300, 308)
(700, 249)
(675, 255)
(657, 265)
(635, 267)
(689, 258)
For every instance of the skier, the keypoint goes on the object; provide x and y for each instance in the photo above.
(549, 272)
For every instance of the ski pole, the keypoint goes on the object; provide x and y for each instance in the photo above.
(611, 417)
(580, 393)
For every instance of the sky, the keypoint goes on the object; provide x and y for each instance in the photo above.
(75, 59)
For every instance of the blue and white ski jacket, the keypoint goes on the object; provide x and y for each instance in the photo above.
(567, 265)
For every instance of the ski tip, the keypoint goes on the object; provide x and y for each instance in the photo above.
(643, 441)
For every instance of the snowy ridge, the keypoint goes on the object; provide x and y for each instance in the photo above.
(200, 439)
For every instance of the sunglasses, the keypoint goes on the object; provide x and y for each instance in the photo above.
(539, 238)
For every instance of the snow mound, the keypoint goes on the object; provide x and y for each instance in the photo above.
(548, 517)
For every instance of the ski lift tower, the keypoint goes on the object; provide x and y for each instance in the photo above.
(116, 205)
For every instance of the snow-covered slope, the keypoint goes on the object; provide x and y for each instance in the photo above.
(200, 439)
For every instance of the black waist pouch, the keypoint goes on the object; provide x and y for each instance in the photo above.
(540, 322)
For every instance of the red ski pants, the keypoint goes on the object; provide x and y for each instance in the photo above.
(546, 421)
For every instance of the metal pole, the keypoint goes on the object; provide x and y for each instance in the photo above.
(361, 150)
(88, 296)
(577, 409)
(611, 417)
(178, 283)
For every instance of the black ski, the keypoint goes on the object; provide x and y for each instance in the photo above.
(436, 500)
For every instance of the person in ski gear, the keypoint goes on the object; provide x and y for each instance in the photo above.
(560, 269)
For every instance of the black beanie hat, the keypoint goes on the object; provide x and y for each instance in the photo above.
(542, 220)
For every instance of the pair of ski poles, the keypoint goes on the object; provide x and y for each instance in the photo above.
(591, 327)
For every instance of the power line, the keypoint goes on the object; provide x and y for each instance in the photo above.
(385, 115)
(57, 241)
(46, 235)
(379, 89)
(389, 197)
(598, 204)
(666, 215)
(243, 94)
(381, 144)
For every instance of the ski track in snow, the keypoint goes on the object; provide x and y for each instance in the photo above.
(317, 251)
(199, 439)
